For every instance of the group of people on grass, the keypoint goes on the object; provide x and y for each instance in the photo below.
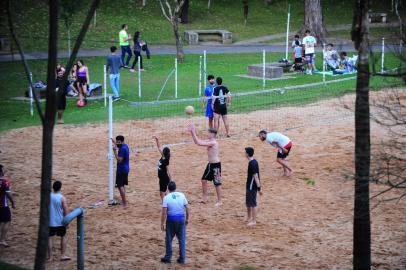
(304, 51)
(138, 46)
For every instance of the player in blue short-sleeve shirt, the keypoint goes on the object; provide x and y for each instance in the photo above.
(122, 154)
(207, 102)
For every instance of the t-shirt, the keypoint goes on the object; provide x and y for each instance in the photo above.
(309, 42)
(114, 63)
(277, 137)
(123, 35)
(4, 189)
(220, 91)
(253, 168)
(298, 51)
(124, 165)
(55, 210)
(208, 92)
(163, 163)
(175, 202)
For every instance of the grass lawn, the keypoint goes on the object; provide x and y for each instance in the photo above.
(32, 22)
(6, 266)
(15, 114)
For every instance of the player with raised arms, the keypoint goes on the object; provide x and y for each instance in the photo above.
(213, 168)
(164, 174)
(283, 144)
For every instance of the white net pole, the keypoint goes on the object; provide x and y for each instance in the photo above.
(287, 34)
(110, 150)
(30, 94)
(263, 68)
(176, 77)
(204, 65)
(139, 77)
(200, 75)
(383, 55)
(105, 84)
(324, 63)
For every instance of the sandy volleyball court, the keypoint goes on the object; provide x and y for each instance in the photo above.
(300, 226)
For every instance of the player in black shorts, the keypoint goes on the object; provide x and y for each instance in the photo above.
(213, 173)
(163, 168)
(221, 100)
(61, 94)
(252, 187)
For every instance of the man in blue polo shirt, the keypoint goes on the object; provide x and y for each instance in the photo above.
(122, 154)
(208, 92)
(174, 207)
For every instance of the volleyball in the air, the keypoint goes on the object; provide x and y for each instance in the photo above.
(189, 110)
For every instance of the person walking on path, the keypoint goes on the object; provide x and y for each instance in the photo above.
(113, 65)
(174, 218)
(125, 39)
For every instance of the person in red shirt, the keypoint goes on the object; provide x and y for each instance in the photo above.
(5, 213)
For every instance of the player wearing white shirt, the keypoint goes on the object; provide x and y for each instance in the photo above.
(284, 145)
(309, 42)
(174, 218)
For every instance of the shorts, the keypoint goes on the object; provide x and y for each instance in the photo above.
(309, 58)
(284, 155)
(209, 113)
(59, 231)
(163, 183)
(5, 214)
(222, 110)
(62, 102)
(251, 198)
(82, 81)
(121, 179)
(298, 60)
(213, 173)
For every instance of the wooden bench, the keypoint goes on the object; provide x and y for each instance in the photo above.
(194, 37)
(4, 43)
(377, 17)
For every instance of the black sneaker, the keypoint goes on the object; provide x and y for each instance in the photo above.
(116, 98)
(180, 261)
(164, 260)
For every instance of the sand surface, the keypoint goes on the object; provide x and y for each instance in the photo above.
(300, 226)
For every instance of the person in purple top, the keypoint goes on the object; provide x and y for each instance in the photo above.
(208, 92)
(122, 154)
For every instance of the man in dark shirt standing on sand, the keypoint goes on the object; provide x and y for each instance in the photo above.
(252, 187)
(221, 100)
(123, 166)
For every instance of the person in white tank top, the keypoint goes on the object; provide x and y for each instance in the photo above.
(58, 209)
(283, 144)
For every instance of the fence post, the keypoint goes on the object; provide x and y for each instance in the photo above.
(30, 94)
(383, 55)
(204, 65)
(200, 75)
(110, 151)
(287, 33)
(263, 68)
(139, 76)
(324, 64)
(105, 85)
(176, 77)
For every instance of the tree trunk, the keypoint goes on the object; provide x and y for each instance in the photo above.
(362, 224)
(208, 4)
(245, 10)
(313, 19)
(178, 39)
(69, 40)
(47, 135)
(184, 14)
(144, 3)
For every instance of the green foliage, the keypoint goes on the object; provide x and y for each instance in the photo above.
(309, 181)
(7, 266)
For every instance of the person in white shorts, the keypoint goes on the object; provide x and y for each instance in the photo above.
(284, 145)
(309, 42)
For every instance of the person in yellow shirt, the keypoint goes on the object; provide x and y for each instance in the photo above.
(125, 38)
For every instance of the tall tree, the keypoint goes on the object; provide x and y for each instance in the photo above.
(171, 11)
(313, 19)
(48, 119)
(362, 223)
(184, 14)
(245, 10)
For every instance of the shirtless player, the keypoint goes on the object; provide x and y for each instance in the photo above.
(213, 169)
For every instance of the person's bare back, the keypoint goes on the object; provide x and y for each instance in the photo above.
(213, 151)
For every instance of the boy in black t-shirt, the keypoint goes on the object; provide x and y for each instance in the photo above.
(221, 100)
(252, 187)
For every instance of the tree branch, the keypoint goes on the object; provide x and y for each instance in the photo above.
(163, 11)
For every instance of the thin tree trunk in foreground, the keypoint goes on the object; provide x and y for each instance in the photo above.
(362, 223)
(179, 44)
(47, 136)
